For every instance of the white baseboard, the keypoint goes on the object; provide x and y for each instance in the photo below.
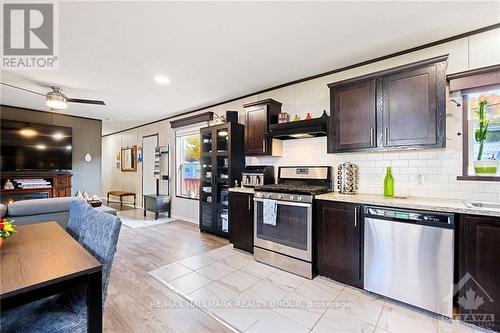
(187, 219)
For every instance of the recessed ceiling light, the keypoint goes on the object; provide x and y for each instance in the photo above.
(162, 79)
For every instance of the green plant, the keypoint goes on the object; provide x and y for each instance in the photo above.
(481, 133)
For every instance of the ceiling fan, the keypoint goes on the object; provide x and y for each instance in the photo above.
(55, 99)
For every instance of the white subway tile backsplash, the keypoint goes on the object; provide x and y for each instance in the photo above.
(438, 194)
(460, 195)
(437, 163)
(426, 171)
(438, 178)
(418, 193)
(391, 156)
(385, 163)
(409, 171)
(471, 187)
(395, 171)
(400, 163)
(492, 187)
(408, 155)
(450, 154)
(427, 155)
(401, 178)
(417, 163)
(485, 196)
(454, 162)
(376, 156)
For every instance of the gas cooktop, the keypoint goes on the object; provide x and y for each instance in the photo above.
(294, 188)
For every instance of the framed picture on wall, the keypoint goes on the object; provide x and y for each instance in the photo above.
(129, 159)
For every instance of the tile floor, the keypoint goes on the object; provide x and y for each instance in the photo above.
(249, 296)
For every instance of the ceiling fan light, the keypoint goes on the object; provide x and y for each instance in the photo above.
(56, 100)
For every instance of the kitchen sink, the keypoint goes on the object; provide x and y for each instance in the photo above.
(482, 204)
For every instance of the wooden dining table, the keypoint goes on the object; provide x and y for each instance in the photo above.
(42, 260)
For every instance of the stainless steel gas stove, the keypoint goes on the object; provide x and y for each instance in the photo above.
(283, 218)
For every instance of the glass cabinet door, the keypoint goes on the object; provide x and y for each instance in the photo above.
(222, 192)
(206, 142)
(206, 181)
(222, 139)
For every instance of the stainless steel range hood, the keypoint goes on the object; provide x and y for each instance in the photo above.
(301, 129)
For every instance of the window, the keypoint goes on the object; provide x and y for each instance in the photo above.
(188, 163)
(483, 144)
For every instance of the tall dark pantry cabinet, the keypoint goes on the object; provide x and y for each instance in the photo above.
(222, 161)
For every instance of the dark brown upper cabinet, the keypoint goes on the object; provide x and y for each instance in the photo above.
(399, 108)
(353, 106)
(259, 115)
(412, 107)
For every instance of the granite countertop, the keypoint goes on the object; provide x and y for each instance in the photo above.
(430, 204)
(248, 190)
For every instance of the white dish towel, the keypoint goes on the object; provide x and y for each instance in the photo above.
(269, 211)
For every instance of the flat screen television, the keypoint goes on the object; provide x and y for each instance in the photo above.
(37, 147)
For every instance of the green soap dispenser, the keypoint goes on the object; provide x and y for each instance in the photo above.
(388, 183)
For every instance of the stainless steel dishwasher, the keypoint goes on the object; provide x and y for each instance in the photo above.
(408, 256)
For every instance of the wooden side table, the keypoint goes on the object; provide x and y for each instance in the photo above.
(156, 204)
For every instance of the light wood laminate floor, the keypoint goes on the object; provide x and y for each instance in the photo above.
(133, 295)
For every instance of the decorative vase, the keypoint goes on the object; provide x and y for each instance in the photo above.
(308, 116)
(388, 183)
(485, 167)
(1, 242)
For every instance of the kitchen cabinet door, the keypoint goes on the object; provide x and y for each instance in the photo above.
(479, 249)
(241, 221)
(256, 130)
(339, 242)
(259, 115)
(411, 107)
(352, 121)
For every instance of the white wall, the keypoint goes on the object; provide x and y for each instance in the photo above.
(440, 167)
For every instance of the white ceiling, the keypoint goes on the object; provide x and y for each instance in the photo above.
(214, 51)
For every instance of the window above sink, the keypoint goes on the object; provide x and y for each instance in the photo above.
(480, 96)
(483, 144)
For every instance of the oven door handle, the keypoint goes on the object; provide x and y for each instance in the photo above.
(286, 203)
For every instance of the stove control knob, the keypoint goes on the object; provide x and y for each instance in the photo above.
(291, 197)
(268, 195)
(299, 198)
(279, 196)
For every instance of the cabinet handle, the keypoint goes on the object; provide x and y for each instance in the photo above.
(371, 137)
(249, 203)
(386, 137)
(355, 216)
(264, 145)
